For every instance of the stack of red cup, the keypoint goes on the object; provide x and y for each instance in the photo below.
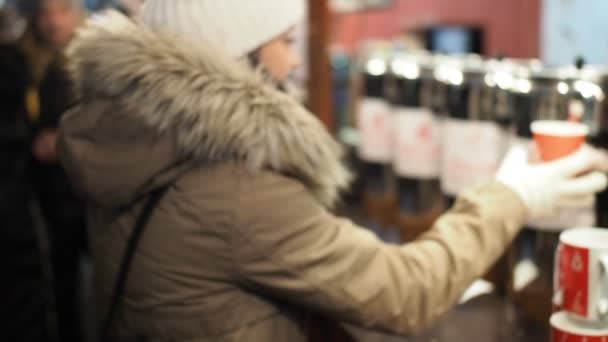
(581, 263)
(581, 286)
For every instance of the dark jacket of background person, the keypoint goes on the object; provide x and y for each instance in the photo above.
(243, 247)
(43, 95)
(62, 210)
(48, 97)
(24, 298)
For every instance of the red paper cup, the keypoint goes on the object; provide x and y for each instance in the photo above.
(565, 330)
(581, 272)
(557, 139)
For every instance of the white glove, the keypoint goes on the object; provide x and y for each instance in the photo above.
(545, 187)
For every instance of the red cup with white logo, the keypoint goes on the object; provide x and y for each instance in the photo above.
(557, 139)
(563, 329)
(581, 274)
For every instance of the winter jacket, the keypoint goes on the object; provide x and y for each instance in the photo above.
(243, 247)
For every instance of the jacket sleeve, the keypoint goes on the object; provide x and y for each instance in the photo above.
(288, 247)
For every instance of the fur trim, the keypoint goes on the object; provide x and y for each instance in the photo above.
(218, 109)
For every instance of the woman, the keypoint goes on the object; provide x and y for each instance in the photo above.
(242, 246)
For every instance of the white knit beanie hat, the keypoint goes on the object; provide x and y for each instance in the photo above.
(237, 26)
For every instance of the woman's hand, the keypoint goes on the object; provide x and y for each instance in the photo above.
(545, 187)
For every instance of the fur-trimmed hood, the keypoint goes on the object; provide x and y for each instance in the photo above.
(151, 104)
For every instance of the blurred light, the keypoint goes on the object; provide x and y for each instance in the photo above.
(489, 79)
(406, 69)
(566, 72)
(442, 73)
(522, 72)
(536, 65)
(576, 109)
(456, 77)
(504, 80)
(588, 89)
(376, 67)
(563, 88)
(524, 85)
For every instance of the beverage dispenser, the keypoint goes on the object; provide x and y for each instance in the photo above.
(375, 150)
(416, 153)
(567, 93)
(474, 141)
(573, 93)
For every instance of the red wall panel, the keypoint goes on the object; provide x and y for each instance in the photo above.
(512, 27)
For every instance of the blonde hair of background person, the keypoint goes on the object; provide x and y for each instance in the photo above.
(244, 246)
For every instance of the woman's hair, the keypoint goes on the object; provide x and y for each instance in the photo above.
(254, 59)
(255, 64)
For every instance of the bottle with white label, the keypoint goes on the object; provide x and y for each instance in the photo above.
(373, 116)
(474, 142)
(416, 153)
(476, 135)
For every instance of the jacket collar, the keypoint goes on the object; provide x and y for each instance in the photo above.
(217, 109)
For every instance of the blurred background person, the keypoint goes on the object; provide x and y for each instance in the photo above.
(24, 292)
(43, 96)
(52, 26)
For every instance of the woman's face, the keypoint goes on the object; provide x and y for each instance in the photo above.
(279, 57)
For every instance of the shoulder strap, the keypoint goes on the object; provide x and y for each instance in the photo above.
(123, 273)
